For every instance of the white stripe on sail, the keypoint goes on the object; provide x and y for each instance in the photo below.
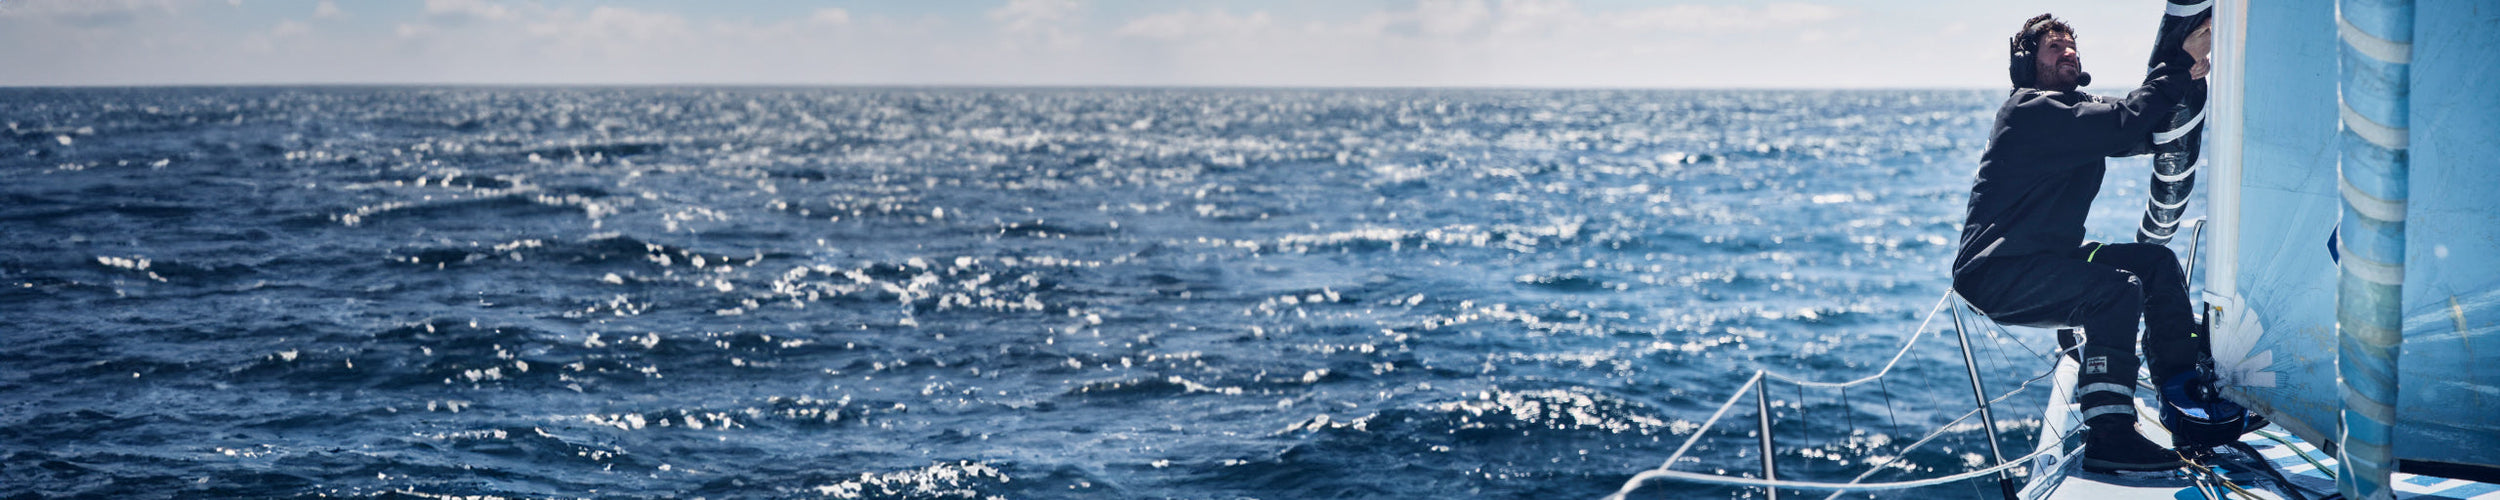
(2380, 134)
(2148, 233)
(2367, 270)
(2158, 204)
(2371, 206)
(2167, 136)
(2183, 174)
(2382, 49)
(2177, 10)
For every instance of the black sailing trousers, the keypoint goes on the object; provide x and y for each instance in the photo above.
(2103, 288)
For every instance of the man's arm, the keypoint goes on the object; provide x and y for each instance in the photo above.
(2096, 127)
(2146, 146)
(2196, 47)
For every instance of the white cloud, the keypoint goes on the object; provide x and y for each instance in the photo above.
(607, 27)
(1185, 25)
(1801, 43)
(1027, 25)
(1474, 42)
(1724, 18)
(831, 16)
(87, 13)
(480, 9)
(1451, 17)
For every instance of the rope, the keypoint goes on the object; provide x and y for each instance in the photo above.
(2287, 444)
(1827, 486)
(1705, 426)
(1896, 356)
(2225, 481)
(1932, 435)
(1665, 470)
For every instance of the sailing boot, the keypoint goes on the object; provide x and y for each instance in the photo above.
(2118, 447)
(2105, 389)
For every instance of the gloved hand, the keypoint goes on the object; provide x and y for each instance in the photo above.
(2199, 45)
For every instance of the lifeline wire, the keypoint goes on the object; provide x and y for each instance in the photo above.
(1758, 375)
(1664, 470)
(1896, 357)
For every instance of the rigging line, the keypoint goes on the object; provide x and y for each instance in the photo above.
(1996, 330)
(1888, 365)
(1894, 418)
(1706, 425)
(2224, 481)
(1997, 347)
(1835, 488)
(1801, 410)
(1998, 336)
(2042, 452)
(1905, 451)
(1665, 469)
(2287, 444)
(2026, 385)
(1848, 412)
(2018, 340)
(2256, 461)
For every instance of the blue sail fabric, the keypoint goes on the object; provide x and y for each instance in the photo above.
(2275, 335)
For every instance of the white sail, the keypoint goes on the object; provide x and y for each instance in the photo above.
(2277, 203)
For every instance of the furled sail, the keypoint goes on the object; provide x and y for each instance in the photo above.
(2277, 201)
(2175, 143)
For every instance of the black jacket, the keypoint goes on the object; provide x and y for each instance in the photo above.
(2045, 159)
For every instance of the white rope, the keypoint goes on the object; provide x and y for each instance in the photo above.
(1664, 470)
(1896, 356)
(1939, 432)
(1850, 486)
(1705, 425)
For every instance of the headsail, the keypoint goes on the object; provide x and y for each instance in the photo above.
(2277, 202)
(2176, 143)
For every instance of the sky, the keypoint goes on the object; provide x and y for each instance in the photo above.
(1296, 43)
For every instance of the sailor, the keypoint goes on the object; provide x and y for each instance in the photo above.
(2024, 261)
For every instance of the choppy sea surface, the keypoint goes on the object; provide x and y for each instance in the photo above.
(979, 293)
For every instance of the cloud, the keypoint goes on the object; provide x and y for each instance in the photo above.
(467, 9)
(1172, 26)
(1476, 42)
(1724, 18)
(607, 27)
(831, 16)
(1571, 43)
(90, 14)
(1048, 22)
(1451, 17)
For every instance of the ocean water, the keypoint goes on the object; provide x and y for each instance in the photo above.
(978, 293)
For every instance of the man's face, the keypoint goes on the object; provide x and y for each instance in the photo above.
(2058, 65)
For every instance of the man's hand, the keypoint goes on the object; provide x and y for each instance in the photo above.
(2200, 44)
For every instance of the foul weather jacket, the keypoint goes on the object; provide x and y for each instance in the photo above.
(2045, 160)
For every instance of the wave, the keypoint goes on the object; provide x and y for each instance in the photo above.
(593, 152)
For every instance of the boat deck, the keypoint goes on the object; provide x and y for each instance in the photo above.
(2057, 478)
